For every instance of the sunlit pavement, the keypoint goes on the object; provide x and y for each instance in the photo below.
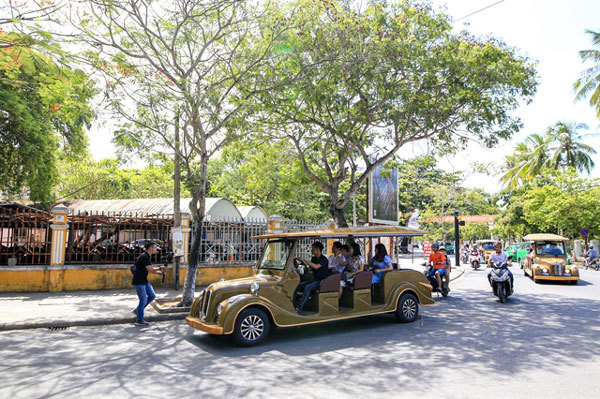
(543, 343)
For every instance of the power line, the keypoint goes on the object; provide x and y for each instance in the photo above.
(484, 8)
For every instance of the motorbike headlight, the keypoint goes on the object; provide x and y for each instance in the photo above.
(254, 288)
(219, 309)
(545, 270)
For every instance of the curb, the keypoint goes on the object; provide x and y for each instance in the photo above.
(60, 324)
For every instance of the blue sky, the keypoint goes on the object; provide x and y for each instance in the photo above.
(548, 31)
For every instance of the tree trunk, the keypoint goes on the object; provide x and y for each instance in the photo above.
(338, 216)
(176, 198)
(197, 207)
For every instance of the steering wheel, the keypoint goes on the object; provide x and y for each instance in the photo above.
(300, 266)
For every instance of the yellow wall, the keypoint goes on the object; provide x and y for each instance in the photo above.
(55, 278)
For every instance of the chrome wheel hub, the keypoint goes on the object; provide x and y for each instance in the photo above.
(409, 308)
(252, 327)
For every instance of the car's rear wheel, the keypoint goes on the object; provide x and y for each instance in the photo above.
(251, 327)
(408, 308)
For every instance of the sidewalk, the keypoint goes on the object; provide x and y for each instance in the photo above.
(20, 311)
(77, 308)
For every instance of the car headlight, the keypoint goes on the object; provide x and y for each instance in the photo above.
(219, 309)
(254, 288)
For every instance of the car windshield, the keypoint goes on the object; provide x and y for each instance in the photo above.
(488, 246)
(549, 248)
(275, 255)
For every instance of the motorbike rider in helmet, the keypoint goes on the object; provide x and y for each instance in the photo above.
(438, 260)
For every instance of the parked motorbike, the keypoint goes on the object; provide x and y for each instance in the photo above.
(591, 264)
(499, 279)
(474, 260)
(430, 275)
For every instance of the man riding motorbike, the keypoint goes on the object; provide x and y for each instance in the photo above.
(498, 258)
(438, 260)
(591, 256)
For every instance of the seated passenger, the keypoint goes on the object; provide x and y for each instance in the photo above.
(337, 262)
(355, 264)
(380, 263)
(320, 267)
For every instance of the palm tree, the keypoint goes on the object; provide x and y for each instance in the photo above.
(527, 163)
(567, 150)
(590, 79)
(560, 147)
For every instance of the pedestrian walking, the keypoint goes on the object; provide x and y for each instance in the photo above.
(143, 288)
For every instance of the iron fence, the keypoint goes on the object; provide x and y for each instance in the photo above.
(114, 238)
(24, 235)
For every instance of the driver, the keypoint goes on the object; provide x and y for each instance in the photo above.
(499, 257)
(591, 254)
(438, 260)
(320, 267)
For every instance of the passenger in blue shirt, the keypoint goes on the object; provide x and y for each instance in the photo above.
(380, 263)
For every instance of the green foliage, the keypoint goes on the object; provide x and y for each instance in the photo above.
(88, 179)
(475, 231)
(589, 82)
(44, 109)
(269, 176)
(565, 205)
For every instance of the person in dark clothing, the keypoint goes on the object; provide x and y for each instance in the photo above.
(143, 288)
(320, 266)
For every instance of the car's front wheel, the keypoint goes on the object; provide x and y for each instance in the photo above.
(408, 308)
(251, 327)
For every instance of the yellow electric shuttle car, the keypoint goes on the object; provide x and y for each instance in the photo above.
(548, 259)
(487, 246)
(248, 307)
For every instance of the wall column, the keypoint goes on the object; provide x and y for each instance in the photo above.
(59, 228)
(185, 229)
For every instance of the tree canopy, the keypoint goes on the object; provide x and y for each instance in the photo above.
(44, 110)
(361, 83)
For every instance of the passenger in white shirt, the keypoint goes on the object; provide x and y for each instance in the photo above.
(337, 263)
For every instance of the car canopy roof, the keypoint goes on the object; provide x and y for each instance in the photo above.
(356, 232)
(487, 241)
(544, 237)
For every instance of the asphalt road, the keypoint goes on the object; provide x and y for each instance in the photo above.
(543, 343)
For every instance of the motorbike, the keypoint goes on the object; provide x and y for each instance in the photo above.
(465, 256)
(499, 279)
(475, 260)
(430, 275)
(591, 264)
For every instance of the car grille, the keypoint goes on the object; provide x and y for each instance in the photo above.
(205, 302)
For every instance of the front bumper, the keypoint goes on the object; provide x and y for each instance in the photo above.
(210, 328)
(538, 277)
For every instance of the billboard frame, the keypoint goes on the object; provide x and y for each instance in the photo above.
(371, 198)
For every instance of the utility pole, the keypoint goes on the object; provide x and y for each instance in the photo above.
(456, 240)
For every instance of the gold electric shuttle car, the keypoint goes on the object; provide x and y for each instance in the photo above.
(548, 259)
(248, 307)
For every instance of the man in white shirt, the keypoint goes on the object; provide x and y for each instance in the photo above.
(499, 257)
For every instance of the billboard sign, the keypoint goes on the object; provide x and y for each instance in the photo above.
(383, 196)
